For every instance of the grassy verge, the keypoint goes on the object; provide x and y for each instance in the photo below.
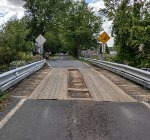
(4, 99)
(85, 61)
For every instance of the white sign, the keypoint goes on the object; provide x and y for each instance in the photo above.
(40, 40)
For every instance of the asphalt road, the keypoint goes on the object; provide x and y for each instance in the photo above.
(65, 62)
(78, 120)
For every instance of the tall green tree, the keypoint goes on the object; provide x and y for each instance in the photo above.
(66, 25)
(131, 23)
(42, 15)
(80, 28)
(14, 41)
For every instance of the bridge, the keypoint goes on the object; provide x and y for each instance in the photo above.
(69, 99)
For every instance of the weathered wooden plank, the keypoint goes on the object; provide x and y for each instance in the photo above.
(40, 87)
(119, 93)
(54, 86)
(91, 86)
(74, 89)
(50, 89)
(102, 89)
(62, 94)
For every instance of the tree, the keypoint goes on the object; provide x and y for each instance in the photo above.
(66, 25)
(14, 41)
(80, 28)
(53, 43)
(131, 22)
(41, 15)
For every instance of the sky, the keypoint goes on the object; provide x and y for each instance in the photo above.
(13, 9)
(96, 5)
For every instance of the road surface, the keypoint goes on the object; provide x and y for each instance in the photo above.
(74, 102)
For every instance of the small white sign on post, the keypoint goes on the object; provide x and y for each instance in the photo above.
(40, 40)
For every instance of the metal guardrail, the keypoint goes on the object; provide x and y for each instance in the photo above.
(137, 75)
(10, 78)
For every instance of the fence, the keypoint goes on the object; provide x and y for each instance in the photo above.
(137, 75)
(10, 78)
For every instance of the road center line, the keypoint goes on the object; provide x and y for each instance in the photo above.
(11, 113)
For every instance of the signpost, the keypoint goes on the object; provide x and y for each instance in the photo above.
(40, 40)
(104, 37)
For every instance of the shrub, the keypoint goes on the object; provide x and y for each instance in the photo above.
(16, 64)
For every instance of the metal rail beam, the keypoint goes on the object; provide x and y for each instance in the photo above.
(137, 75)
(10, 78)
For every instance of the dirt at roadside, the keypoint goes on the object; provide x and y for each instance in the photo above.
(75, 79)
(77, 88)
(27, 86)
(7, 106)
(4, 100)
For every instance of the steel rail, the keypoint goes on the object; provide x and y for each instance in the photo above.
(137, 75)
(10, 78)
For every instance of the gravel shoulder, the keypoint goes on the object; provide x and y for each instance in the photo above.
(9, 105)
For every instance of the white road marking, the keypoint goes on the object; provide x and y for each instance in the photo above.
(11, 113)
(145, 103)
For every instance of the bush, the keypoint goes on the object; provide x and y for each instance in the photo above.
(16, 64)
(36, 58)
(25, 59)
(4, 68)
(109, 57)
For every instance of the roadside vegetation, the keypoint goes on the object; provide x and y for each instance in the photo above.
(15, 48)
(72, 26)
(131, 30)
(4, 99)
(67, 26)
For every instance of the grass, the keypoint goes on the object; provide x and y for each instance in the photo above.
(4, 95)
(4, 99)
(85, 61)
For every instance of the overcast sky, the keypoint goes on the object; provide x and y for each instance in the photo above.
(13, 9)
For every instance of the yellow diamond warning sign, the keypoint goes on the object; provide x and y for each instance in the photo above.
(104, 37)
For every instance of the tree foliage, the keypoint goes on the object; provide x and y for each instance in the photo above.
(131, 24)
(80, 28)
(66, 25)
(13, 41)
(42, 15)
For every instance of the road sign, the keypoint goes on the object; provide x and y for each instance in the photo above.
(104, 37)
(40, 40)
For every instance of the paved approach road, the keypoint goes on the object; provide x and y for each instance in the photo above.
(66, 119)
(65, 62)
(78, 120)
